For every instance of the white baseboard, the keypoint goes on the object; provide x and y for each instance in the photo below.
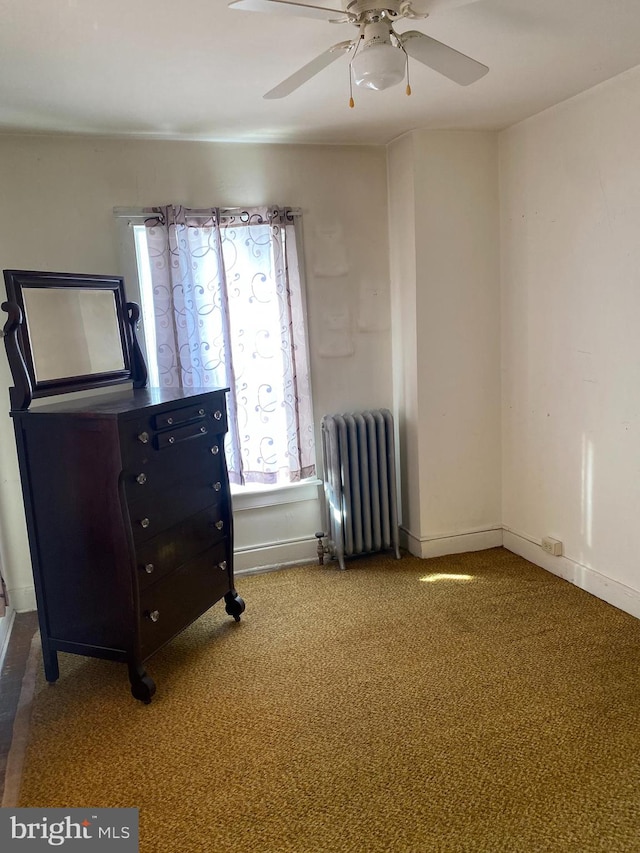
(23, 599)
(456, 543)
(615, 593)
(6, 624)
(275, 554)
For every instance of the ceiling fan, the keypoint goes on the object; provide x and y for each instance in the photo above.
(378, 55)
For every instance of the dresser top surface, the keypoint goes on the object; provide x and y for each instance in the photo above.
(120, 403)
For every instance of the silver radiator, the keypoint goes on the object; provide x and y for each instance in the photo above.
(360, 483)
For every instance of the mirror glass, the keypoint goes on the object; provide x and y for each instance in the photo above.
(72, 332)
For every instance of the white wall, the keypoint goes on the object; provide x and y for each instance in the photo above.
(444, 229)
(402, 261)
(570, 223)
(58, 194)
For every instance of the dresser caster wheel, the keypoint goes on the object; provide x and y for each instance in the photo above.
(142, 685)
(234, 604)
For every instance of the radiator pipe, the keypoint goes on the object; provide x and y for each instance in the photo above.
(320, 549)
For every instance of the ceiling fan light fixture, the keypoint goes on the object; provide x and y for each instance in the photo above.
(379, 56)
(379, 65)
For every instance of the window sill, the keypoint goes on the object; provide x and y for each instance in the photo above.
(249, 497)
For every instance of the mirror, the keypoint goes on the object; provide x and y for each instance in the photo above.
(92, 344)
(69, 332)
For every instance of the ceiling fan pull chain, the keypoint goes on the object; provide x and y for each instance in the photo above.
(408, 89)
(357, 44)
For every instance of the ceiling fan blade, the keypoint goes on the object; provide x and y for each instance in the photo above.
(287, 7)
(308, 71)
(447, 61)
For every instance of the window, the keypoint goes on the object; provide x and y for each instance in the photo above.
(223, 305)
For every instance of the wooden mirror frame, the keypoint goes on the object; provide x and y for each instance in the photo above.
(19, 346)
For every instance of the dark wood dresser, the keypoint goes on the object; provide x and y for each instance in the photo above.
(129, 519)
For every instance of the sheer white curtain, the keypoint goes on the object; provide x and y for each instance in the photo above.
(229, 312)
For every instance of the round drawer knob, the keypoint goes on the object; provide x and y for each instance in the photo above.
(215, 449)
(141, 479)
(223, 565)
(144, 522)
(172, 439)
(203, 429)
(219, 525)
(154, 615)
(169, 421)
(149, 568)
(216, 486)
(217, 415)
(144, 437)
(201, 411)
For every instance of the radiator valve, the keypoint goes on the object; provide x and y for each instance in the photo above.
(322, 548)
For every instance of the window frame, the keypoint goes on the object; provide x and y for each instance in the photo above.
(130, 223)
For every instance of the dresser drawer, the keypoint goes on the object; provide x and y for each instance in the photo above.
(174, 436)
(160, 470)
(172, 418)
(172, 603)
(177, 545)
(212, 414)
(197, 420)
(145, 446)
(161, 510)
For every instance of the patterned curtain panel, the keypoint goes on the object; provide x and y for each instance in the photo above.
(229, 312)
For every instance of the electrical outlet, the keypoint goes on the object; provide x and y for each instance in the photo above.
(552, 546)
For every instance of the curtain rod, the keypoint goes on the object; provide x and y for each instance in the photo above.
(225, 212)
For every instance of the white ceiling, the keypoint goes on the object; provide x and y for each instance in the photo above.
(195, 69)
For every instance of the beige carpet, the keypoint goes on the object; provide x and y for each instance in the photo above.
(467, 703)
